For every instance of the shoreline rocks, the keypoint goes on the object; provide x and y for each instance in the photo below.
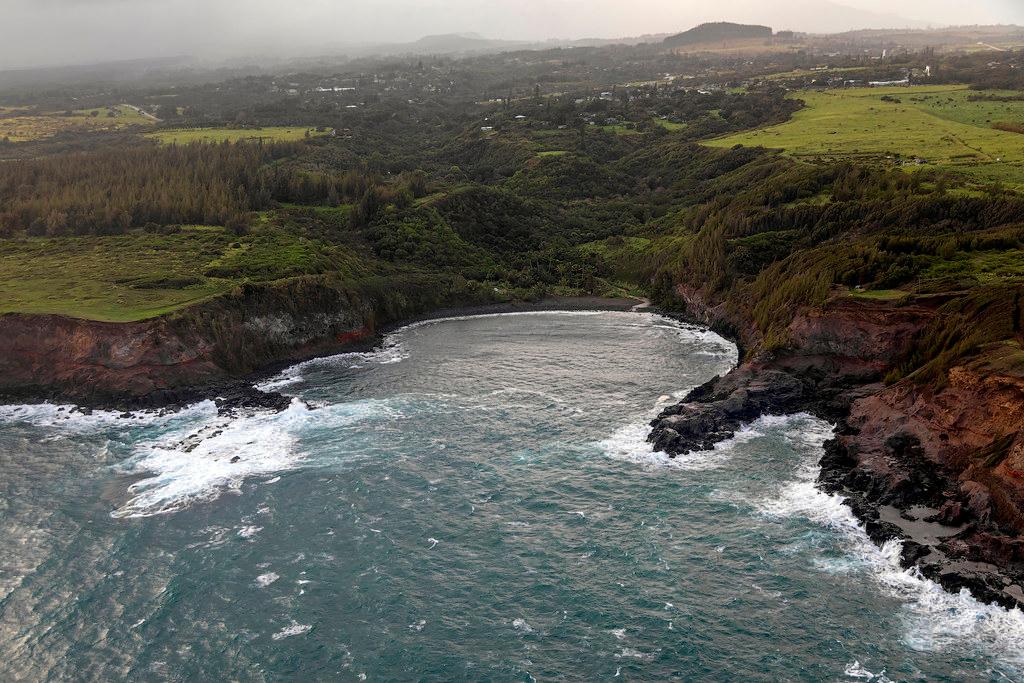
(938, 470)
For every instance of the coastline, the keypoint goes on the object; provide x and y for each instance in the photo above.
(949, 530)
(936, 470)
(551, 304)
(359, 331)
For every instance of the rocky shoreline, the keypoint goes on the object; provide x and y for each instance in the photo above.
(932, 469)
(942, 473)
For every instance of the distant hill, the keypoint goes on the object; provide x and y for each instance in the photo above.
(461, 42)
(718, 32)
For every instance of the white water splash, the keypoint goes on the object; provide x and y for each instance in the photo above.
(857, 671)
(182, 473)
(293, 629)
(186, 467)
(629, 444)
(391, 351)
(264, 580)
(934, 619)
(521, 625)
(68, 418)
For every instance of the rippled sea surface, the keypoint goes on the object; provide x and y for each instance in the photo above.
(475, 501)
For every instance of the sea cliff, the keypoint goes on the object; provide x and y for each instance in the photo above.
(938, 464)
(208, 347)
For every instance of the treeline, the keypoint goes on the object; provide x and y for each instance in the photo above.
(109, 192)
(773, 237)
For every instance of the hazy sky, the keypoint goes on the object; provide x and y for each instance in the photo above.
(46, 32)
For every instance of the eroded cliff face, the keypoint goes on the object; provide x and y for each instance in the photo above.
(838, 354)
(42, 355)
(941, 468)
(182, 356)
(972, 428)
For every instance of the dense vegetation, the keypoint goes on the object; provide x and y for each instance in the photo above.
(599, 176)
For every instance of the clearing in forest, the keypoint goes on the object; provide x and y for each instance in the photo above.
(138, 275)
(184, 136)
(22, 124)
(946, 126)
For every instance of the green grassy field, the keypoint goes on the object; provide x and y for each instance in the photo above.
(880, 294)
(120, 114)
(939, 125)
(184, 136)
(670, 125)
(140, 275)
(986, 267)
(620, 129)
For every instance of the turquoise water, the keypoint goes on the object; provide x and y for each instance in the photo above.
(475, 501)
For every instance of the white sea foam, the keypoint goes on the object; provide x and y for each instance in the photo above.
(857, 671)
(71, 419)
(293, 629)
(391, 351)
(934, 619)
(264, 580)
(630, 444)
(521, 625)
(187, 466)
(633, 653)
(183, 472)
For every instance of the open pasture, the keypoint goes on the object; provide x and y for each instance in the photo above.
(945, 126)
(185, 136)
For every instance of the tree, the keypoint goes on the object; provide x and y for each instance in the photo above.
(166, 111)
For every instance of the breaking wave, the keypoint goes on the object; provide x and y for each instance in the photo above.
(75, 420)
(197, 465)
(934, 619)
(629, 444)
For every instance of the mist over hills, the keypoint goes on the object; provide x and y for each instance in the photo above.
(831, 19)
(55, 32)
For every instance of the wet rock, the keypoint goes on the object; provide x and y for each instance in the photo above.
(986, 586)
(952, 513)
(979, 501)
(912, 553)
(882, 532)
(246, 397)
(894, 446)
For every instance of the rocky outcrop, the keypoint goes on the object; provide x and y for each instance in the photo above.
(208, 347)
(954, 452)
(839, 354)
(941, 468)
